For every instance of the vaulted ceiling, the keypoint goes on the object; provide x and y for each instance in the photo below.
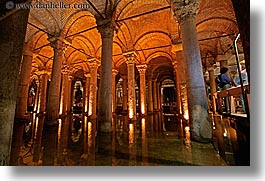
(147, 26)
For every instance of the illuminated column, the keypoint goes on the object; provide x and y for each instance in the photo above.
(114, 73)
(185, 13)
(130, 60)
(142, 70)
(53, 104)
(70, 105)
(92, 107)
(21, 104)
(154, 95)
(40, 114)
(65, 91)
(12, 31)
(124, 94)
(23, 85)
(87, 92)
(57, 42)
(178, 97)
(150, 96)
(106, 30)
(212, 87)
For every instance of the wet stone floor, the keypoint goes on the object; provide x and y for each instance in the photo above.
(139, 146)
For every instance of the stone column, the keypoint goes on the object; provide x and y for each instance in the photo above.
(178, 97)
(124, 94)
(212, 87)
(130, 60)
(70, 105)
(57, 42)
(150, 96)
(106, 30)
(92, 107)
(23, 85)
(124, 103)
(87, 92)
(114, 73)
(185, 13)
(154, 95)
(53, 103)
(65, 91)
(40, 115)
(21, 104)
(142, 70)
(12, 35)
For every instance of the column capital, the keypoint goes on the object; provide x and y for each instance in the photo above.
(66, 69)
(93, 63)
(184, 9)
(175, 65)
(87, 75)
(142, 68)
(115, 72)
(43, 71)
(176, 47)
(130, 57)
(58, 42)
(105, 27)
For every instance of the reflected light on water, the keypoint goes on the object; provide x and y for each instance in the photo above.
(89, 127)
(131, 133)
(59, 130)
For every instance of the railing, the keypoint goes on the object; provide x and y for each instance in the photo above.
(236, 100)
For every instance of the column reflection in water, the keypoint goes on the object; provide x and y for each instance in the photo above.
(113, 141)
(151, 125)
(91, 142)
(84, 156)
(218, 121)
(144, 143)
(59, 148)
(187, 149)
(132, 145)
(50, 144)
(38, 140)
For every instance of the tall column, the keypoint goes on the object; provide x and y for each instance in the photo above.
(106, 30)
(40, 116)
(65, 91)
(23, 85)
(154, 95)
(70, 105)
(21, 104)
(57, 43)
(212, 87)
(130, 60)
(178, 97)
(87, 92)
(124, 94)
(92, 107)
(142, 70)
(150, 95)
(114, 73)
(185, 13)
(53, 104)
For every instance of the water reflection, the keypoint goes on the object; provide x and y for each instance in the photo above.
(149, 142)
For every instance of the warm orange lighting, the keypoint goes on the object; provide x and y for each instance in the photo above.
(131, 133)
(59, 131)
(130, 109)
(142, 107)
(186, 114)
